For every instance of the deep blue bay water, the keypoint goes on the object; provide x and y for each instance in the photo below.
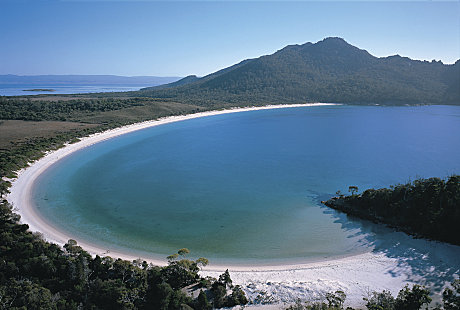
(245, 187)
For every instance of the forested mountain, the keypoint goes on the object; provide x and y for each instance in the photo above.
(328, 71)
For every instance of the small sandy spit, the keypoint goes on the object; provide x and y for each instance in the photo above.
(389, 264)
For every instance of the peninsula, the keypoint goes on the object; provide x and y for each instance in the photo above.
(40, 89)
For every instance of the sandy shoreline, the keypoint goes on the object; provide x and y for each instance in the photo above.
(386, 267)
(20, 196)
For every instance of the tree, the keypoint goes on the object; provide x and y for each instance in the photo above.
(183, 252)
(237, 297)
(172, 257)
(165, 295)
(218, 294)
(106, 294)
(72, 247)
(225, 279)
(380, 301)
(353, 189)
(451, 297)
(202, 262)
(180, 273)
(412, 299)
(202, 302)
(25, 294)
(336, 300)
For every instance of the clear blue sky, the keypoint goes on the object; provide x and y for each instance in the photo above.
(181, 38)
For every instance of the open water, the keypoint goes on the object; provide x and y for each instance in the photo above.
(246, 187)
(25, 89)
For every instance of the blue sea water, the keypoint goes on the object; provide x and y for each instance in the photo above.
(246, 187)
(21, 89)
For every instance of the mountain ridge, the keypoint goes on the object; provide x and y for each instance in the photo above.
(330, 70)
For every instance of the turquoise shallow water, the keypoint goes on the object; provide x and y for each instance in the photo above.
(245, 187)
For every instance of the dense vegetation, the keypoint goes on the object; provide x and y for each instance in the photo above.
(84, 109)
(329, 71)
(38, 110)
(426, 207)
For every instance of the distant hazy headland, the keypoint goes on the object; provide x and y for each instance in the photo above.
(17, 85)
(86, 79)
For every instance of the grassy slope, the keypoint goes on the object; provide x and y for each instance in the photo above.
(14, 132)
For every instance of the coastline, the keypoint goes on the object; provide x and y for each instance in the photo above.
(20, 191)
(356, 275)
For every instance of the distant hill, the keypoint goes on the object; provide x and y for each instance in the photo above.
(330, 70)
(186, 80)
(86, 79)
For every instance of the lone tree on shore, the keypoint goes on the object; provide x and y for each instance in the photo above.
(202, 262)
(183, 252)
(353, 189)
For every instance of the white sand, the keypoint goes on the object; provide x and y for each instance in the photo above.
(356, 276)
(389, 266)
(409, 261)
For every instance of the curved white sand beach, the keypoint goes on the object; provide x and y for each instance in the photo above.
(397, 261)
(20, 191)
